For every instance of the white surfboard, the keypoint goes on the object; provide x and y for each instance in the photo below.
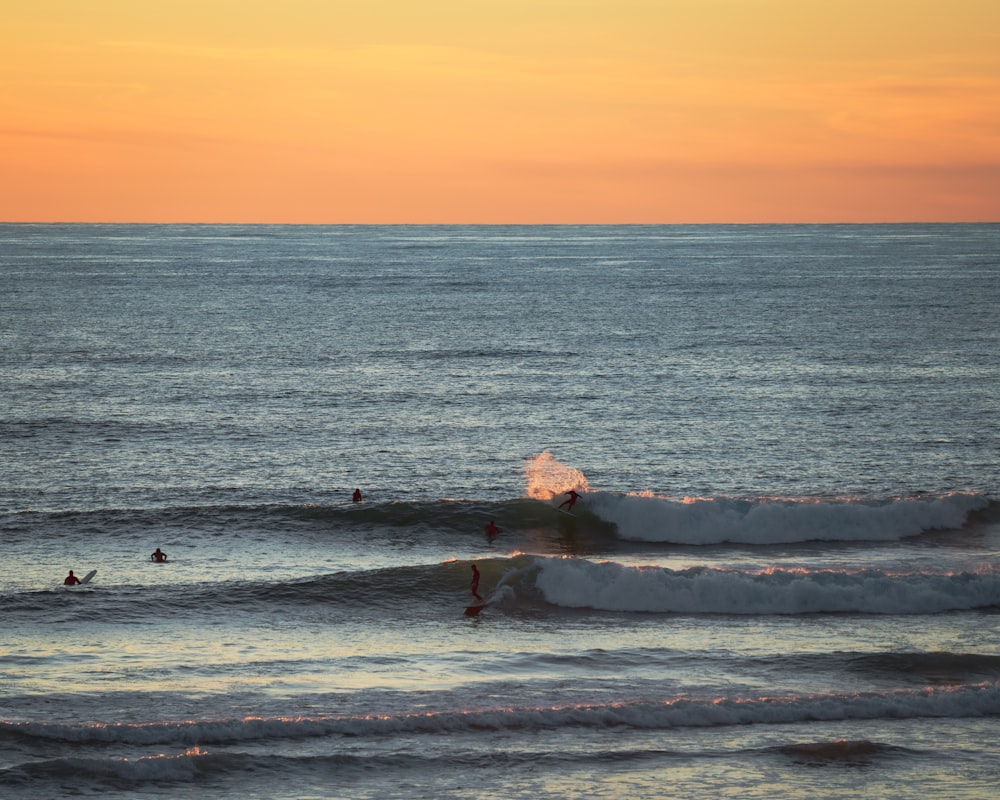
(86, 578)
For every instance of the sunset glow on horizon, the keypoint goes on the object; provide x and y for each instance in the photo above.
(501, 111)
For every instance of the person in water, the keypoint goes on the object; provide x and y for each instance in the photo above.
(158, 556)
(492, 530)
(71, 579)
(475, 583)
(357, 496)
(573, 497)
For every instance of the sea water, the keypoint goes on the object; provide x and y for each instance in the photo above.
(780, 580)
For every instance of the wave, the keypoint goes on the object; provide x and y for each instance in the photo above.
(973, 701)
(447, 514)
(838, 750)
(933, 667)
(198, 764)
(191, 765)
(600, 519)
(722, 520)
(539, 582)
(609, 586)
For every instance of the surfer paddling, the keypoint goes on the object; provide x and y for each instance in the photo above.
(71, 579)
(158, 556)
(569, 503)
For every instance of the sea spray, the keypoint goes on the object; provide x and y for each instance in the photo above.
(546, 477)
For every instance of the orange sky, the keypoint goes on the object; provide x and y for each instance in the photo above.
(500, 111)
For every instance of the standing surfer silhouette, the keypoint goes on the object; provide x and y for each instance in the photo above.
(573, 497)
(474, 585)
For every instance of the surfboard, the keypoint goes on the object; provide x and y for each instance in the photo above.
(567, 513)
(86, 578)
(473, 611)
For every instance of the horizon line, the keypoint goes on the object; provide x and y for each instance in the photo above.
(498, 224)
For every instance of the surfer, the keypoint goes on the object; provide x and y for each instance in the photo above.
(158, 556)
(71, 579)
(573, 497)
(357, 496)
(475, 583)
(492, 530)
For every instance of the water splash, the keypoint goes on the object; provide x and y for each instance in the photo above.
(545, 477)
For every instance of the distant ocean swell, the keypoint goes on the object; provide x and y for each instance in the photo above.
(968, 701)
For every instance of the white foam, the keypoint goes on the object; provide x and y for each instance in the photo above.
(767, 521)
(608, 586)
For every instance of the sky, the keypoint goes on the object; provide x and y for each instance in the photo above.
(500, 111)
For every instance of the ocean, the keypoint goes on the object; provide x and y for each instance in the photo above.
(779, 581)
